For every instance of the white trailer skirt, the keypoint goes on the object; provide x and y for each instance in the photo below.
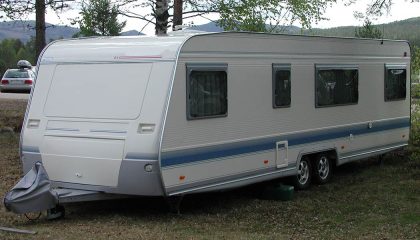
(83, 160)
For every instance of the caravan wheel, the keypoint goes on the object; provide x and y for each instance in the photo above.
(303, 177)
(322, 169)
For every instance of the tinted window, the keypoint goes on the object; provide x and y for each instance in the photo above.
(14, 73)
(207, 92)
(281, 86)
(395, 83)
(336, 86)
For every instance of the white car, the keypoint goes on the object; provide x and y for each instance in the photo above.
(17, 80)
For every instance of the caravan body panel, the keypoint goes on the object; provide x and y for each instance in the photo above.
(112, 114)
(240, 147)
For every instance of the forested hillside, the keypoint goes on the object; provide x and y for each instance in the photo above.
(24, 30)
(19, 44)
(408, 29)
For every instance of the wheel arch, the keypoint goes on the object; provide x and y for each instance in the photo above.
(332, 151)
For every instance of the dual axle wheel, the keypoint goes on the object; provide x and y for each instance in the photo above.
(319, 170)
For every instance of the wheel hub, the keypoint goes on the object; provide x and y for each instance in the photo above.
(303, 173)
(323, 167)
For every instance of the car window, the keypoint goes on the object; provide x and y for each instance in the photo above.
(15, 73)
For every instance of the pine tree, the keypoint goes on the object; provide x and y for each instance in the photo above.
(20, 9)
(100, 18)
(368, 31)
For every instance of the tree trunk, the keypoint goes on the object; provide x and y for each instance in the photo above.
(162, 17)
(177, 20)
(39, 27)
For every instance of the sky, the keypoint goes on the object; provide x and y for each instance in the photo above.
(338, 15)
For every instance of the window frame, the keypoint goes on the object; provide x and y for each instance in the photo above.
(395, 67)
(335, 67)
(275, 68)
(207, 67)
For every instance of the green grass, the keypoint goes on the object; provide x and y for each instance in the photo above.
(363, 201)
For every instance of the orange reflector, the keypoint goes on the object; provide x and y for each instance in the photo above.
(342, 147)
(181, 178)
(265, 161)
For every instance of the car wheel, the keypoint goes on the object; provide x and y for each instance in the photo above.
(322, 169)
(303, 178)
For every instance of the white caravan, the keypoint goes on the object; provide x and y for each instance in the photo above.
(171, 115)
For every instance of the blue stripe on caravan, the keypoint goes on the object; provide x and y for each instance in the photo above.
(245, 147)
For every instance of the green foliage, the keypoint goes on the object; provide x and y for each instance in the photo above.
(368, 31)
(99, 18)
(13, 50)
(415, 113)
(415, 123)
(415, 93)
(252, 15)
(415, 64)
(242, 16)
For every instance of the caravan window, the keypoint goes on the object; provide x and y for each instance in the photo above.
(281, 86)
(206, 91)
(336, 85)
(395, 83)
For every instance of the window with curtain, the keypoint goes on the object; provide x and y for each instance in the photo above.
(206, 92)
(336, 86)
(281, 86)
(395, 83)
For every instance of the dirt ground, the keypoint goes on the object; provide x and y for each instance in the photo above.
(12, 113)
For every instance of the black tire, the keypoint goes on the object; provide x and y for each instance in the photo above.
(322, 169)
(303, 178)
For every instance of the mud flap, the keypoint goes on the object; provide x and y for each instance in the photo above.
(32, 193)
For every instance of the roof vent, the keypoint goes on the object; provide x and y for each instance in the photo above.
(182, 30)
(180, 27)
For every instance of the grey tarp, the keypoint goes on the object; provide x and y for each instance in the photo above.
(32, 193)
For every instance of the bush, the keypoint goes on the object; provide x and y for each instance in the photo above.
(415, 91)
(415, 129)
(415, 120)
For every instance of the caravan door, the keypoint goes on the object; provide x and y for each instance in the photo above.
(282, 148)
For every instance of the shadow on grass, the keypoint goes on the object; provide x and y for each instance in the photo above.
(156, 207)
(224, 201)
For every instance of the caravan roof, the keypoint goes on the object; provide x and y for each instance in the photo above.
(164, 48)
